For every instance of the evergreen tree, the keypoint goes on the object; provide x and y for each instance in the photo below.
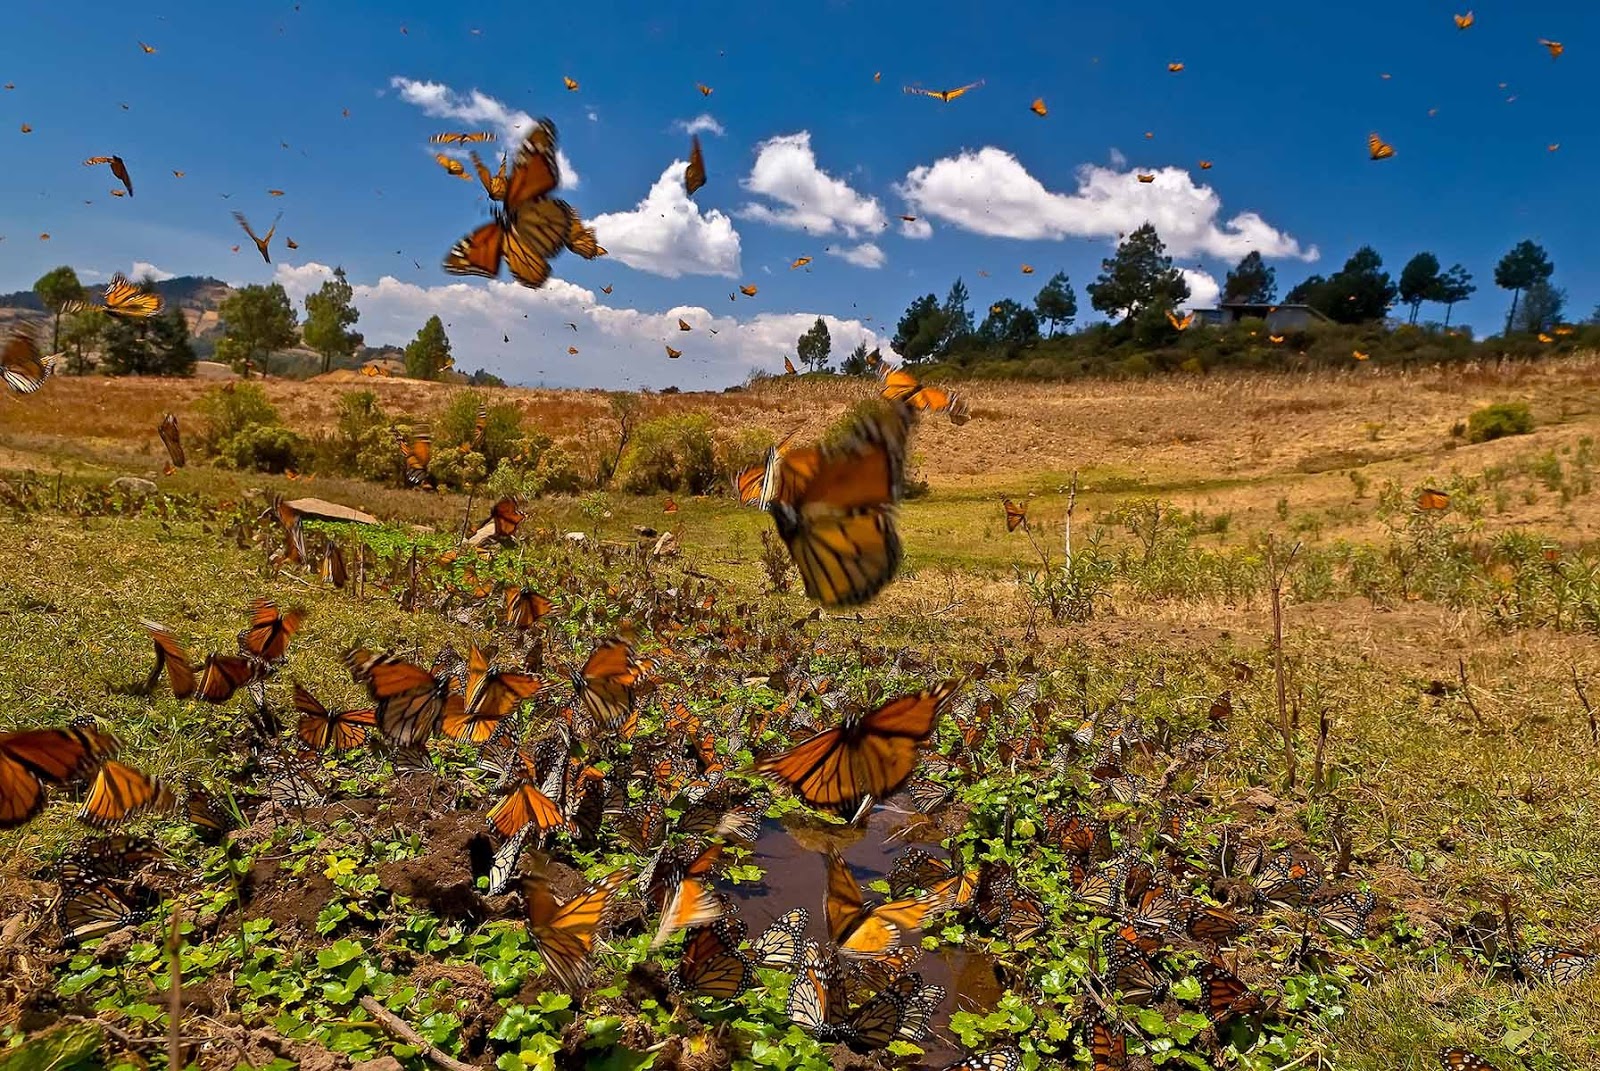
(329, 317)
(957, 318)
(1453, 286)
(258, 320)
(1251, 282)
(1360, 292)
(428, 354)
(1526, 264)
(1056, 304)
(1419, 281)
(1542, 306)
(1009, 324)
(856, 363)
(920, 330)
(55, 288)
(1138, 276)
(814, 346)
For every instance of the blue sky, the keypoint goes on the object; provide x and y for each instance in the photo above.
(814, 159)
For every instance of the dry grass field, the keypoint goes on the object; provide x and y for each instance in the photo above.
(1436, 684)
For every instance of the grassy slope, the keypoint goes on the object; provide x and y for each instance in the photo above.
(1448, 812)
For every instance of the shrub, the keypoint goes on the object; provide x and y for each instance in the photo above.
(739, 451)
(537, 468)
(458, 424)
(1499, 420)
(263, 448)
(378, 458)
(670, 453)
(340, 452)
(228, 410)
(456, 469)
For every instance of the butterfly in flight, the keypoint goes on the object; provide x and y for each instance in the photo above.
(1555, 48)
(570, 83)
(457, 138)
(1174, 67)
(705, 90)
(118, 168)
(148, 51)
(1037, 107)
(944, 95)
(748, 291)
(1463, 21)
(799, 262)
(261, 243)
(1179, 324)
(694, 176)
(1377, 148)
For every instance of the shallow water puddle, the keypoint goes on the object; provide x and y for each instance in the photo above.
(795, 875)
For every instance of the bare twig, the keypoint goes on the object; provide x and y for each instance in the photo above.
(399, 1028)
(175, 988)
(1072, 501)
(1276, 575)
(1317, 771)
(1588, 708)
(1466, 693)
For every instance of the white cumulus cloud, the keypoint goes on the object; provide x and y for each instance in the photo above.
(475, 108)
(916, 228)
(989, 192)
(807, 197)
(1204, 290)
(144, 269)
(865, 255)
(704, 123)
(617, 346)
(667, 234)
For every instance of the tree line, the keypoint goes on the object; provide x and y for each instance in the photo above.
(258, 322)
(1138, 287)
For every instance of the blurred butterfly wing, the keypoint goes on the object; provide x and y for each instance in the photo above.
(21, 362)
(409, 699)
(526, 808)
(31, 758)
(168, 431)
(479, 253)
(119, 792)
(565, 935)
(694, 176)
(535, 171)
(269, 633)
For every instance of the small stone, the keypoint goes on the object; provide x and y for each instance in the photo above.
(382, 1063)
(136, 485)
(576, 537)
(666, 546)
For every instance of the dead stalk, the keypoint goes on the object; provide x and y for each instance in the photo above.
(1277, 574)
(1588, 708)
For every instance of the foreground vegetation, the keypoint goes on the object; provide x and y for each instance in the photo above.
(1434, 717)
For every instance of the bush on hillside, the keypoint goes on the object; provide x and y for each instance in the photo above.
(458, 424)
(669, 453)
(263, 448)
(227, 410)
(1498, 421)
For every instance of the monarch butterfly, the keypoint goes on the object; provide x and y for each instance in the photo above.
(712, 964)
(779, 945)
(694, 176)
(1555, 49)
(1347, 914)
(506, 516)
(1213, 924)
(1554, 964)
(834, 508)
(788, 367)
(494, 183)
(1177, 323)
(118, 169)
(409, 700)
(901, 386)
(1226, 997)
(1145, 178)
(525, 607)
(120, 792)
(1463, 21)
(582, 241)
(691, 901)
(452, 138)
(94, 911)
(1027, 269)
(607, 682)
(993, 1060)
(1464, 1060)
(674, 354)
(1276, 340)
(1358, 355)
(1429, 499)
(1205, 165)
(1108, 1045)
(527, 808)
(31, 758)
(749, 291)
(454, 167)
(799, 262)
(24, 369)
(168, 430)
(122, 298)
(333, 566)
(530, 227)
(417, 450)
(944, 95)
(705, 90)
(943, 879)
(269, 632)
(570, 83)
(871, 931)
(261, 243)
(1174, 67)
(491, 695)
(1016, 516)
(207, 816)
(606, 289)
(320, 728)
(1037, 108)
(219, 677)
(565, 933)
(1285, 880)
(1377, 148)
(871, 754)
